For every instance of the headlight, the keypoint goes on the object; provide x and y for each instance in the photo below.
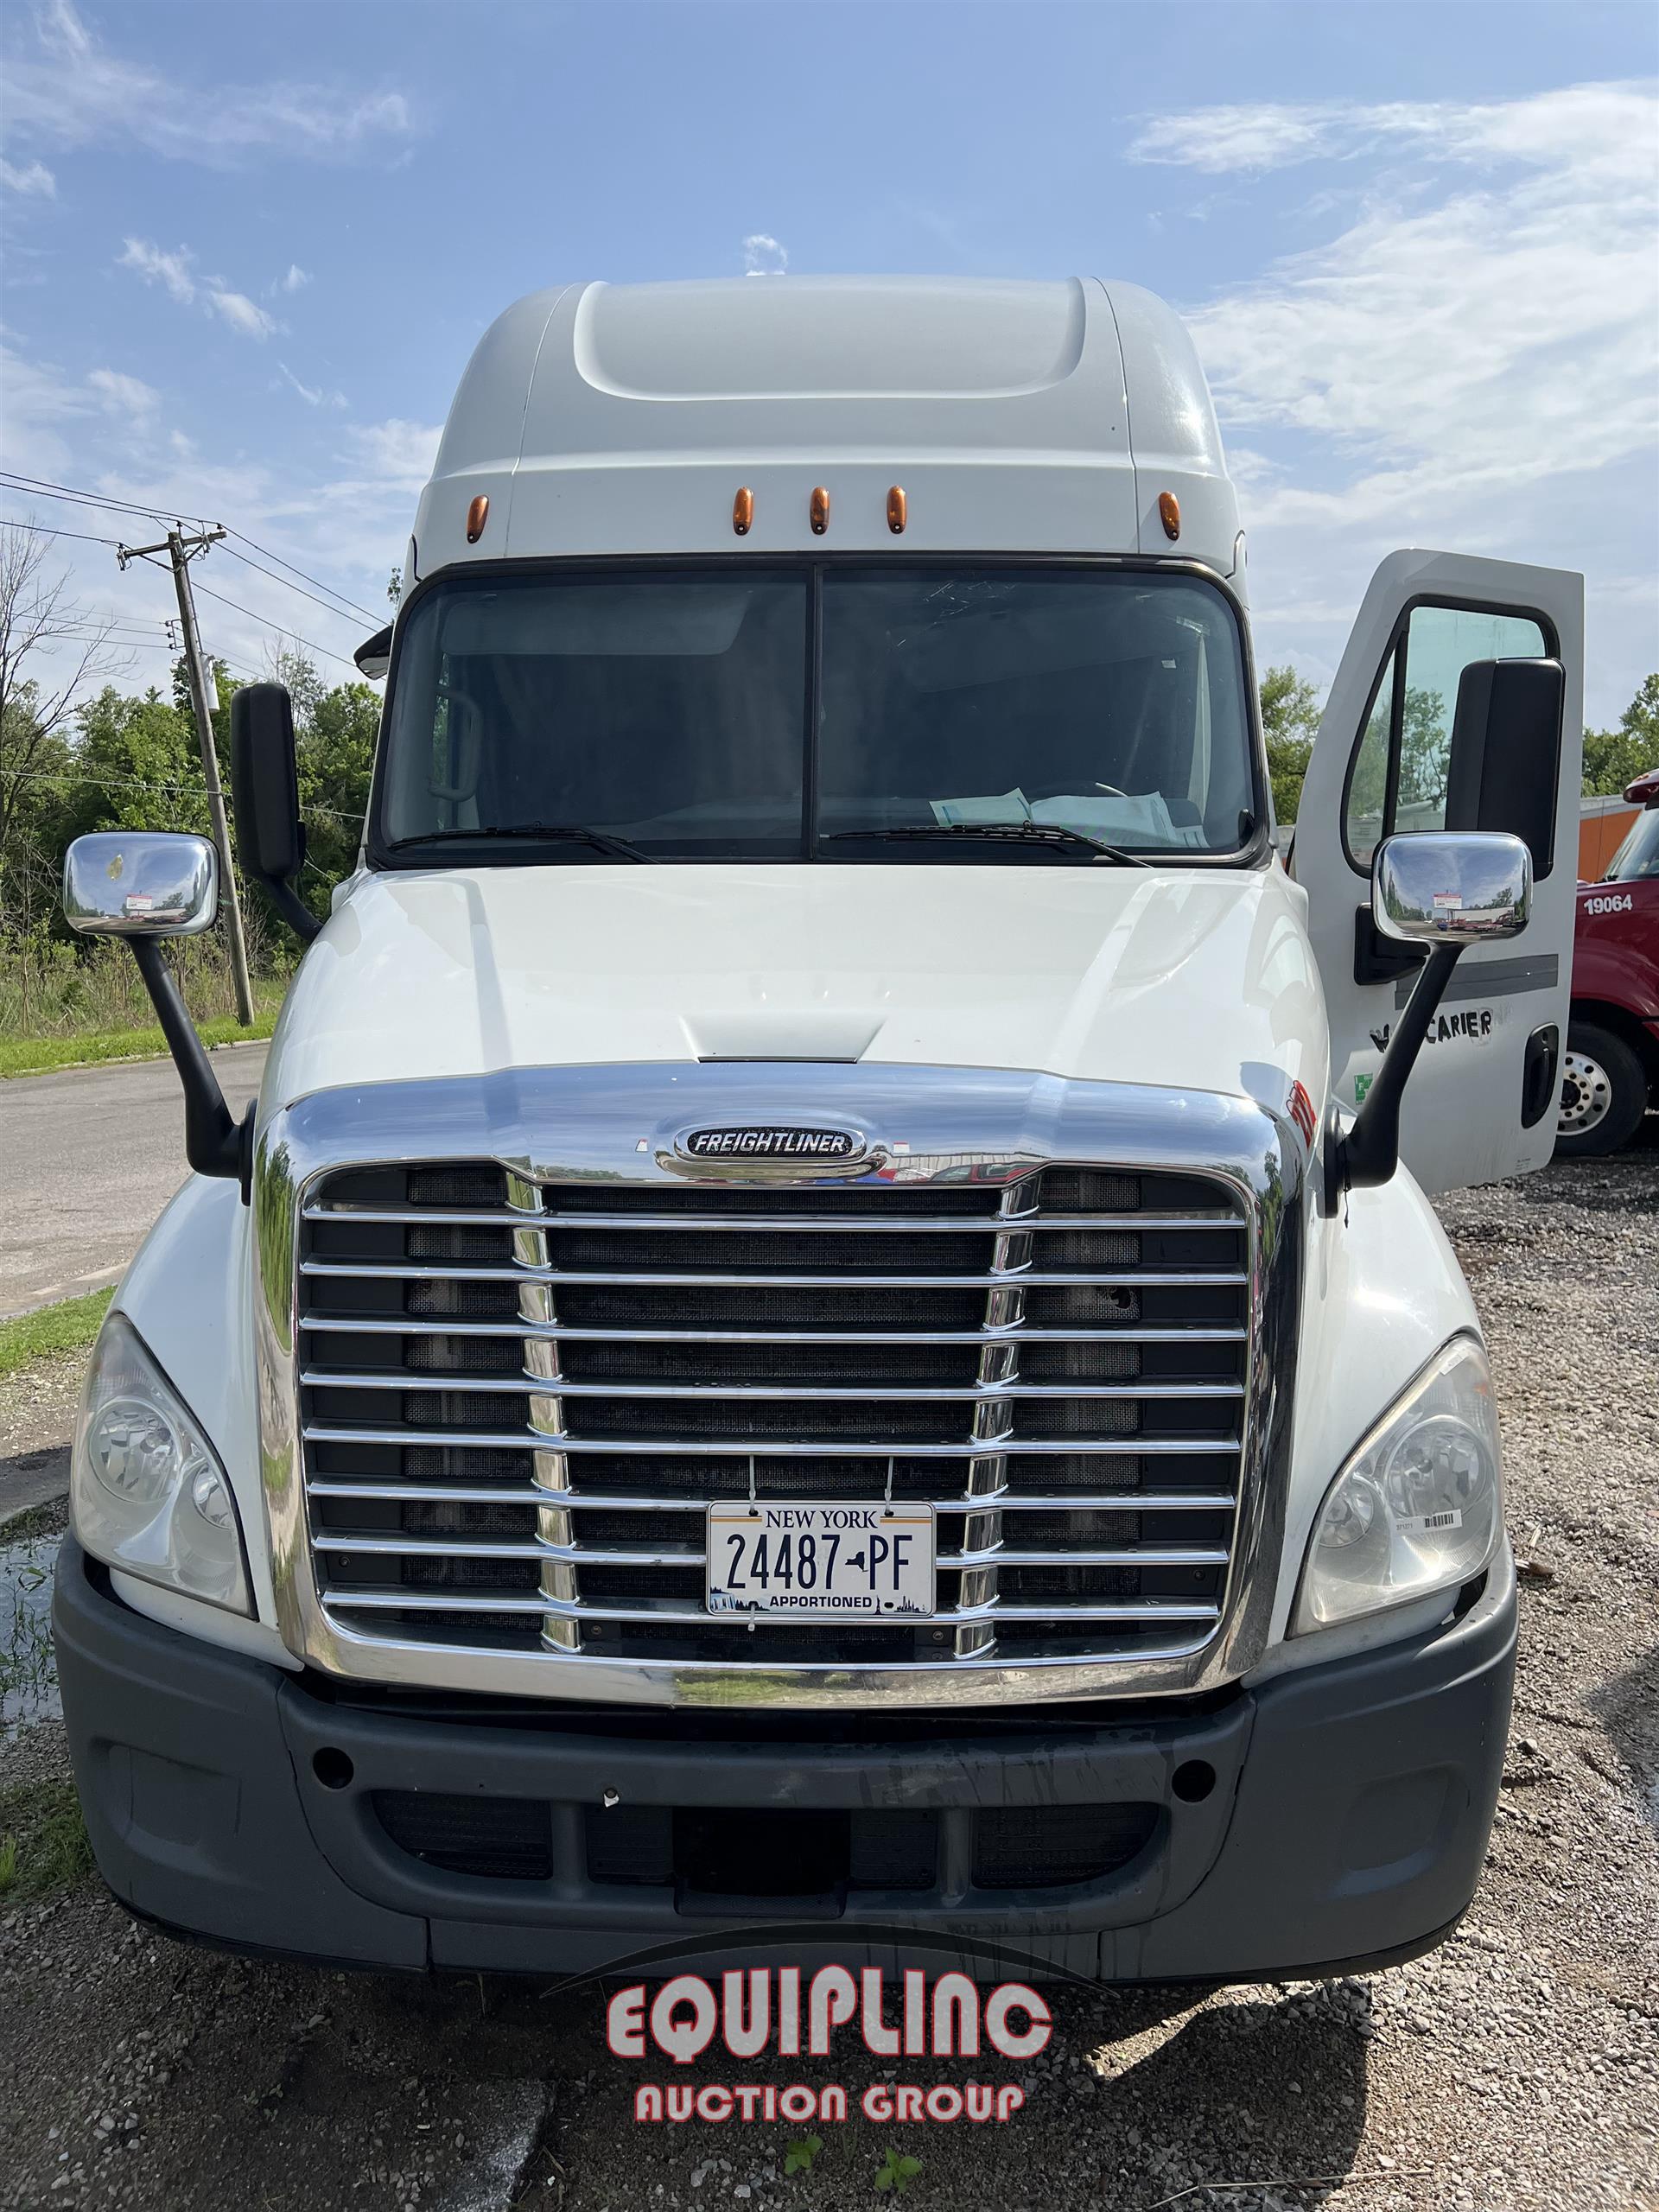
(146, 1493)
(1418, 1506)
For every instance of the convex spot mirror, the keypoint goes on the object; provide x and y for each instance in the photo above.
(1452, 887)
(140, 883)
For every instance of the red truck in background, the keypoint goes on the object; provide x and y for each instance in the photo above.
(1610, 1074)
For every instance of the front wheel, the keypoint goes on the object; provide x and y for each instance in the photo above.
(1604, 1093)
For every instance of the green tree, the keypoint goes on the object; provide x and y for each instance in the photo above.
(1290, 719)
(135, 765)
(336, 756)
(1613, 758)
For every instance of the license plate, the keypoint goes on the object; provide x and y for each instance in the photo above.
(821, 1562)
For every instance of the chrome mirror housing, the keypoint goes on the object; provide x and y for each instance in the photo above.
(1452, 887)
(140, 883)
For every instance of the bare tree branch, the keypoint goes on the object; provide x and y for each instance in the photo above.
(52, 647)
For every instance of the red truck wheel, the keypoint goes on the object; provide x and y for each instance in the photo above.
(1604, 1092)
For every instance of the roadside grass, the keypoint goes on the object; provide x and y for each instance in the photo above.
(65, 1326)
(38, 1055)
(43, 1841)
(50, 1518)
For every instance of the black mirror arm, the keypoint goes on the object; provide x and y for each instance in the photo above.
(292, 908)
(214, 1144)
(1369, 1152)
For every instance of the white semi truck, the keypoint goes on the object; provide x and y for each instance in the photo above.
(827, 1338)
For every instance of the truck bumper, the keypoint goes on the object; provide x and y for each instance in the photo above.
(1332, 1818)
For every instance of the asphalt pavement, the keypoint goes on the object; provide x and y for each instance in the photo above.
(88, 1157)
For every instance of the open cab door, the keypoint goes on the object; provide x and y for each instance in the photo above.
(1459, 705)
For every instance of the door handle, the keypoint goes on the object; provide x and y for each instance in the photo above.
(1538, 1074)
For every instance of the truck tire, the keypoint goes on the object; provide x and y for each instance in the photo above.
(1604, 1093)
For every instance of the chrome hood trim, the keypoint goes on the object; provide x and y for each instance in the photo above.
(919, 1126)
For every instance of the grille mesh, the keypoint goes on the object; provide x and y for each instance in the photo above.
(1077, 1335)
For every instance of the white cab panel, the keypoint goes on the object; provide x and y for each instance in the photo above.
(1017, 417)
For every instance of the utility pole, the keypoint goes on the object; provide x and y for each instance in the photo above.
(181, 551)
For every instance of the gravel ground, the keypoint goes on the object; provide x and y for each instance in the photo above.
(1516, 2067)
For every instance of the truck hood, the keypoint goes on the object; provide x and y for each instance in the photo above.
(1199, 981)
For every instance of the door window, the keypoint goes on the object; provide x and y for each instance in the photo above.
(1398, 777)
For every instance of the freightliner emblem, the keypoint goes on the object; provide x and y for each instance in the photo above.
(770, 1142)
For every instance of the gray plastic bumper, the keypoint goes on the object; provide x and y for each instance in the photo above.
(1345, 1822)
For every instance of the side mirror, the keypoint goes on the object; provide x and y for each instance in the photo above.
(265, 785)
(1447, 889)
(1443, 886)
(373, 656)
(1505, 766)
(140, 883)
(145, 885)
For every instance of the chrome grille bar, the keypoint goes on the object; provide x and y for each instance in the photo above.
(439, 1493)
(406, 1326)
(722, 1278)
(954, 1224)
(585, 1554)
(450, 1601)
(703, 1448)
(927, 1394)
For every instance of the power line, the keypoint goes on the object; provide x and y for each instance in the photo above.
(143, 783)
(340, 614)
(281, 628)
(44, 487)
(51, 530)
(295, 570)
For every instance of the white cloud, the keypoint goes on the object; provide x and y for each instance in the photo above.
(313, 396)
(1220, 139)
(36, 181)
(1459, 362)
(176, 271)
(397, 456)
(119, 394)
(763, 257)
(156, 267)
(239, 311)
(295, 280)
(64, 88)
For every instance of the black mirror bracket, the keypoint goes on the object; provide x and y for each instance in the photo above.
(292, 908)
(214, 1143)
(1369, 1152)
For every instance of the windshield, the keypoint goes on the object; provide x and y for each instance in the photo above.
(818, 712)
(1638, 858)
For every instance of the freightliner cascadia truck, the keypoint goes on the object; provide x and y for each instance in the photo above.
(827, 1338)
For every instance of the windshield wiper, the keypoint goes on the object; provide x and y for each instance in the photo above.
(1040, 833)
(548, 832)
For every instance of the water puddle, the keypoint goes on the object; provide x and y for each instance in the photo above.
(28, 1675)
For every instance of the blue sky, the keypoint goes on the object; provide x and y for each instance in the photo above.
(248, 248)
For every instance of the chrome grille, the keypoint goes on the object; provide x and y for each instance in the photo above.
(518, 1397)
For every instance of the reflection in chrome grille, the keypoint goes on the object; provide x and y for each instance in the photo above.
(517, 1398)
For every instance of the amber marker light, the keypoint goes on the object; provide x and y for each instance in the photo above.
(818, 510)
(1169, 513)
(477, 515)
(898, 510)
(743, 511)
